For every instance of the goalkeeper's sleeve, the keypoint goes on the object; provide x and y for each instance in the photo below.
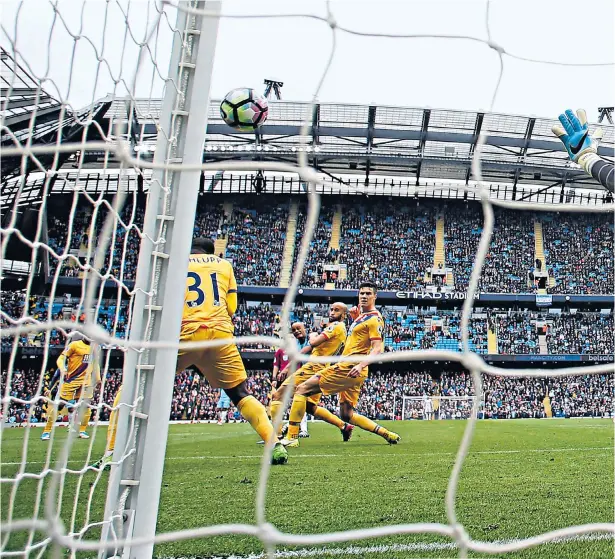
(582, 147)
(603, 171)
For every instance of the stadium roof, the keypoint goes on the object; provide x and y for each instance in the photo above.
(368, 142)
(391, 141)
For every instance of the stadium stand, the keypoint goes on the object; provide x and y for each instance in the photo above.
(382, 397)
(393, 244)
(406, 328)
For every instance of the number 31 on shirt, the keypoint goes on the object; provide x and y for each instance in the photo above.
(197, 288)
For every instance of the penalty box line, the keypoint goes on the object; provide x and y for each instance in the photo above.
(359, 455)
(419, 547)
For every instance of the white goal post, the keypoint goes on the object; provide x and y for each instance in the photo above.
(437, 407)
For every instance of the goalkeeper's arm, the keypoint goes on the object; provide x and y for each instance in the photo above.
(582, 147)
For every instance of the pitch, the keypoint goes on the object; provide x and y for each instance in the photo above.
(522, 477)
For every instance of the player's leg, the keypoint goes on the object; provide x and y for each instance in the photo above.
(111, 432)
(66, 395)
(299, 407)
(325, 415)
(349, 399)
(88, 394)
(224, 368)
(277, 400)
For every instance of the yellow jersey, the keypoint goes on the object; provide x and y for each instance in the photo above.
(210, 280)
(336, 337)
(80, 364)
(367, 327)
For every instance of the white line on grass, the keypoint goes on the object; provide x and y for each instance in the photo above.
(358, 455)
(391, 548)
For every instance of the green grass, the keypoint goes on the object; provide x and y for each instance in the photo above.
(521, 478)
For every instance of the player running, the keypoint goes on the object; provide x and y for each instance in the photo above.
(210, 302)
(582, 147)
(364, 337)
(78, 375)
(329, 342)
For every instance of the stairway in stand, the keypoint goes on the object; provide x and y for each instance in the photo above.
(542, 344)
(221, 242)
(539, 250)
(334, 243)
(492, 341)
(289, 245)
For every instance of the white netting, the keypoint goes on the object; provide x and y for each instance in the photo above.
(106, 256)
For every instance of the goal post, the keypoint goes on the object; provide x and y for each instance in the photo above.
(134, 487)
(438, 407)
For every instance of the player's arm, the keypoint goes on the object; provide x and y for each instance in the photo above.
(62, 361)
(375, 329)
(231, 294)
(274, 375)
(376, 348)
(55, 379)
(582, 147)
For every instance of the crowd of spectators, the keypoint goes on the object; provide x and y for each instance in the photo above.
(111, 316)
(320, 253)
(392, 245)
(88, 220)
(581, 333)
(516, 333)
(405, 328)
(391, 242)
(382, 396)
(256, 234)
(579, 249)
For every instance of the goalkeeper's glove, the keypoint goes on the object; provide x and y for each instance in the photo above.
(574, 133)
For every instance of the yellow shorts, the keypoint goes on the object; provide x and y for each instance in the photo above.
(222, 366)
(304, 373)
(335, 380)
(74, 391)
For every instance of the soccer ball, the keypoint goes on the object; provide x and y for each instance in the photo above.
(244, 109)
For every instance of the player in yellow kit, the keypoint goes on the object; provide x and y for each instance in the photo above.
(78, 374)
(210, 302)
(329, 342)
(364, 337)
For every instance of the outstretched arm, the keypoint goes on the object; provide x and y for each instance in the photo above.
(582, 147)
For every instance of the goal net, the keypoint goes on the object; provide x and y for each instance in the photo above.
(438, 407)
(127, 229)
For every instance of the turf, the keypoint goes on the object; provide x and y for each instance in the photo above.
(521, 478)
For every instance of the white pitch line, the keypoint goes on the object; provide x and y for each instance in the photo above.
(357, 455)
(421, 547)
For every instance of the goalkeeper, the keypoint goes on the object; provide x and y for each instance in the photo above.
(582, 147)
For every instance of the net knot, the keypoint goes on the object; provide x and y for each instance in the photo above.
(472, 362)
(461, 536)
(496, 47)
(268, 533)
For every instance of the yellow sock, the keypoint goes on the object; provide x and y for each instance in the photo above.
(85, 420)
(112, 429)
(256, 415)
(297, 411)
(52, 415)
(368, 425)
(276, 408)
(324, 414)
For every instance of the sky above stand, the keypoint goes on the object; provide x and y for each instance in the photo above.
(426, 72)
